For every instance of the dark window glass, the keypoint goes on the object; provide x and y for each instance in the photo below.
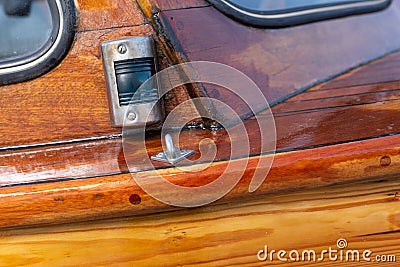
(25, 28)
(35, 36)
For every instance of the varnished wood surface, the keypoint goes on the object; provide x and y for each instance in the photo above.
(70, 102)
(380, 71)
(109, 196)
(281, 62)
(366, 214)
(321, 116)
(62, 163)
(343, 130)
(106, 14)
(310, 124)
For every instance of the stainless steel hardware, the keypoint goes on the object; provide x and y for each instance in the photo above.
(128, 63)
(172, 154)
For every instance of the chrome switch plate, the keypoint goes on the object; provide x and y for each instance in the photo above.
(127, 62)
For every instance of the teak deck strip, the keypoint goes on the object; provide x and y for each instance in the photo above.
(366, 214)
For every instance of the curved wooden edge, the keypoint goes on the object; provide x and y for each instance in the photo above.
(116, 196)
(365, 214)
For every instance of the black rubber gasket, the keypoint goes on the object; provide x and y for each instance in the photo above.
(288, 18)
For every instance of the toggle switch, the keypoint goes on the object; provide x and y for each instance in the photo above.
(128, 63)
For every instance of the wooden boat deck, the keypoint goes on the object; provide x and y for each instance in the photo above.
(321, 134)
(335, 175)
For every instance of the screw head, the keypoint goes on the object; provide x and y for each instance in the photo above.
(122, 49)
(131, 116)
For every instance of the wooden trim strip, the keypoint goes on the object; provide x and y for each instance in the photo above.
(119, 195)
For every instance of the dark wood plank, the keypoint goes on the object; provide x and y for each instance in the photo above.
(337, 102)
(338, 124)
(285, 61)
(295, 131)
(317, 93)
(380, 71)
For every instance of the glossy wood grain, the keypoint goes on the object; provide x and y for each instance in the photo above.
(67, 161)
(70, 102)
(282, 62)
(365, 214)
(109, 196)
(62, 162)
(106, 14)
(296, 130)
(317, 118)
(380, 71)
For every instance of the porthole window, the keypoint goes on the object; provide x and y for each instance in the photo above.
(284, 13)
(35, 35)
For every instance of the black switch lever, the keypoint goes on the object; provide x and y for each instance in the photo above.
(128, 63)
(131, 74)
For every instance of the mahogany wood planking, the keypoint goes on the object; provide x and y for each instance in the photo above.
(379, 71)
(282, 62)
(295, 131)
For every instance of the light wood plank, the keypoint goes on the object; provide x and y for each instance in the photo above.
(224, 235)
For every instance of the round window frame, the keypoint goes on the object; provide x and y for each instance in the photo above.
(297, 16)
(39, 62)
